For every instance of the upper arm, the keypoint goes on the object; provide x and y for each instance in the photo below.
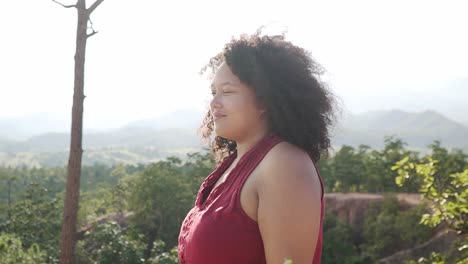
(289, 208)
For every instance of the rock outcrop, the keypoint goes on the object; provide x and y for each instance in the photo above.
(351, 207)
(443, 243)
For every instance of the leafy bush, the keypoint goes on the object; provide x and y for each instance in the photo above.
(387, 229)
(107, 243)
(35, 219)
(337, 237)
(12, 251)
(447, 192)
(159, 256)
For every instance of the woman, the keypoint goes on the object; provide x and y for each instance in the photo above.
(270, 116)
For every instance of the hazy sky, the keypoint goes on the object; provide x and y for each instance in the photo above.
(145, 60)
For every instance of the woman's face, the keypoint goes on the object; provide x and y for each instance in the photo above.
(236, 114)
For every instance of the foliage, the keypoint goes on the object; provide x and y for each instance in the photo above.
(380, 162)
(161, 197)
(366, 170)
(410, 232)
(197, 167)
(111, 193)
(348, 169)
(160, 194)
(434, 258)
(159, 256)
(337, 237)
(94, 204)
(388, 229)
(107, 243)
(449, 196)
(35, 219)
(12, 251)
(15, 181)
(445, 188)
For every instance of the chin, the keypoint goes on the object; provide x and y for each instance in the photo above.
(223, 133)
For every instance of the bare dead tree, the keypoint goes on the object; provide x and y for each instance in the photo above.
(72, 194)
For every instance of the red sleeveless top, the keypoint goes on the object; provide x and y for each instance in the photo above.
(217, 230)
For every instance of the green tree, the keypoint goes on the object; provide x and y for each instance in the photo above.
(381, 178)
(12, 251)
(160, 256)
(338, 247)
(448, 194)
(448, 202)
(348, 170)
(379, 228)
(197, 167)
(389, 228)
(108, 244)
(160, 198)
(35, 218)
(449, 162)
(434, 258)
(119, 191)
(325, 167)
(6, 191)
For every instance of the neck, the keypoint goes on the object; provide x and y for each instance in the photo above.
(247, 142)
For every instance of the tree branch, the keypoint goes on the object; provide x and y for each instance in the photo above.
(93, 6)
(91, 27)
(66, 6)
(91, 34)
(90, 24)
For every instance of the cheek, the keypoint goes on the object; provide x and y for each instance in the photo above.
(250, 112)
(242, 108)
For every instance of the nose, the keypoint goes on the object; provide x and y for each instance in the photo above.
(215, 102)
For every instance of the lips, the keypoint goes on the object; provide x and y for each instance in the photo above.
(217, 116)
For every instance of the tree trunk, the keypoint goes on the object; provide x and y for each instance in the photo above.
(10, 180)
(68, 235)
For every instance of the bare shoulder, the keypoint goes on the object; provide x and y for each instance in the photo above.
(289, 208)
(287, 163)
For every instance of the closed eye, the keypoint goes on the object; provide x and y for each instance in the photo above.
(213, 93)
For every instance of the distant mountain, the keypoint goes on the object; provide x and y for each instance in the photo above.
(127, 145)
(25, 127)
(176, 130)
(5, 143)
(21, 128)
(128, 137)
(417, 129)
(175, 134)
(185, 118)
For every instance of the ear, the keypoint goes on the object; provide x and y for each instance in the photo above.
(261, 108)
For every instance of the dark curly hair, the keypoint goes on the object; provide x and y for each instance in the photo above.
(285, 79)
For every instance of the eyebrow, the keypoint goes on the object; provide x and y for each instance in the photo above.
(221, 84)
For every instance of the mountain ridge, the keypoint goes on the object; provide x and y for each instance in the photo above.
(418, 129)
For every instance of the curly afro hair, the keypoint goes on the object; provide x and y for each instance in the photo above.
(285, 79)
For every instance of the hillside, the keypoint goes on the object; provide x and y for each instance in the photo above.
(352, 208)
(127, 145)
(417, 129)
(146, 140)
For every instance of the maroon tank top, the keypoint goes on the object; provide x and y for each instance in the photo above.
(217, 230)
